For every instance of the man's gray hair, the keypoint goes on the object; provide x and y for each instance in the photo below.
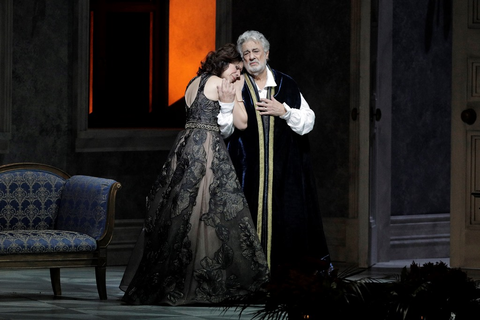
(255, 36)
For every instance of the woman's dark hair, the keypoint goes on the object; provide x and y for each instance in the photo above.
(217, 61)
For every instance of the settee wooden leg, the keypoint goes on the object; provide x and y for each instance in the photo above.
(101, 276)
(55, 279)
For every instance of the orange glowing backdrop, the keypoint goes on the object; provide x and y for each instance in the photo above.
(191, 37)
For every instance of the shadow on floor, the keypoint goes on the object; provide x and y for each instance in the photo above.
(27, 294)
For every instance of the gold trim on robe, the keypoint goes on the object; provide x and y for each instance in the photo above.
(266, 141)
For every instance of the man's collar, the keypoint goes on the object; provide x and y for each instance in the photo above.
(270, 79)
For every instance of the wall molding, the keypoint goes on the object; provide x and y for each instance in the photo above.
(411, 237)
(6, 35)
(125, 236)
(105, 140)
(474, 14)
(420, 236)
(474, 79)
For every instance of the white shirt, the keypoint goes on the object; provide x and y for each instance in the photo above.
(301, 120)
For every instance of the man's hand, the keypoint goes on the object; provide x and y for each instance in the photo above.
(270, 107)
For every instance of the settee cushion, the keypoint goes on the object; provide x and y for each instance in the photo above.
(29, 199)
(84, 205)
(44, 241)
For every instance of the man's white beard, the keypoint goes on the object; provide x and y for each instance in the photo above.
(256, 70)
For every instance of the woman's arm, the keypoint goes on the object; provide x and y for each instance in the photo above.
(240, 117)
(225, 94)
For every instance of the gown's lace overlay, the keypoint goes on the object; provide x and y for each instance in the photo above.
(200, 245)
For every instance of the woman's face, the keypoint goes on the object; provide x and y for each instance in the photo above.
(232, 73)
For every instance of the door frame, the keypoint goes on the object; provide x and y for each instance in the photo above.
(358, 222)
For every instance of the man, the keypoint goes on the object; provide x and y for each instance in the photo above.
(271, 157)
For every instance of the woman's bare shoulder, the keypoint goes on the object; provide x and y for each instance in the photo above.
(214, 80)
(211, 86)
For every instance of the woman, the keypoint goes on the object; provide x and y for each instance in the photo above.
(200, 243)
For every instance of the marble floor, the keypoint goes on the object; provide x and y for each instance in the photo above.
(27, 294)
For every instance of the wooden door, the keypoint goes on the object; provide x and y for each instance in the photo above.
(465, 174)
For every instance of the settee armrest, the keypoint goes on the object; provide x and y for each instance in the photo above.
(87, 205)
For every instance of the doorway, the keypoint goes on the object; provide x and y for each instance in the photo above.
(410, 138)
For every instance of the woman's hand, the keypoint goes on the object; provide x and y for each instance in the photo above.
(226, 91)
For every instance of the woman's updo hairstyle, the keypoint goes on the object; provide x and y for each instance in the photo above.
(217, 61)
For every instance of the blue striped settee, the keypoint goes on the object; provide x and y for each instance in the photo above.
(49, 219)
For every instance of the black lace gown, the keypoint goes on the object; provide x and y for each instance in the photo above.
(199, 244)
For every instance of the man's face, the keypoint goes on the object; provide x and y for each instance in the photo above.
(254, 57)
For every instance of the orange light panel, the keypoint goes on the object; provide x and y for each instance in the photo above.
(191, 37)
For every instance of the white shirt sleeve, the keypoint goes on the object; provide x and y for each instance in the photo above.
(301, 120)
(225, 119)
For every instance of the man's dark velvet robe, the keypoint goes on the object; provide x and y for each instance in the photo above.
(276, 174)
